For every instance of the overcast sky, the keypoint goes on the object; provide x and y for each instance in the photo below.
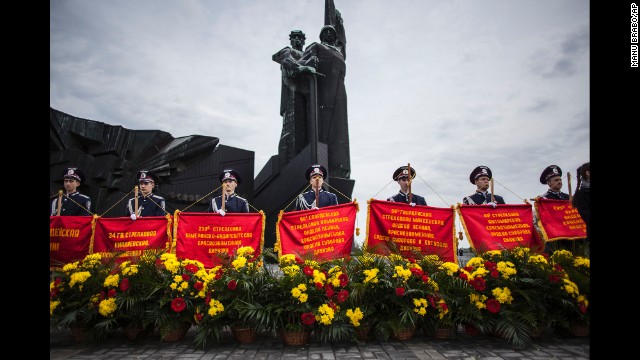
(443, 85)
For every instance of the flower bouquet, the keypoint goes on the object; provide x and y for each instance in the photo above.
(503, 299)
(82, 297)
(183, 287)
(571, 305)
(238, 285)
(410, 300)
(305, 296)
(366, 293)
(137, 289)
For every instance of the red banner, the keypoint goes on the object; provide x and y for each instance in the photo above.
(423, 229)
(326, 233)
(505, 227)
(130, 237)
(201, 235)
(69, 239)
(558, 220)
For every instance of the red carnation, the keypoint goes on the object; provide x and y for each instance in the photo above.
(308, 270)
(558, 267)
(400, 291)
(417, 272)
(582, 307)
(342, 296)
(111, 293)
(191, 268)
(425, 278)
(319, 285)
(124, 284)
(493, 306)
(308, 318)
(554, 278)
(344, 279)
(198, 285)
(299, 261)
(178, 305)
(186, 277)
(495, 274)
(464, 276)
(198, 317)
(479, 284)
(444, 306)
(232, 284)
(329, 290)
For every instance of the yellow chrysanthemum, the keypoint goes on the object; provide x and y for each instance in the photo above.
(52, 306)
(503, 295)
(291, 270)
(579, 261)
(79, 278)
(246, 251)
(239, 262)
(319, 277)
(326, 314)
(215, 307)
(371, 275)
(107, 307)
(112, 280)
(537, 259)
(355, 315)
(506, 269)
(296, 292)
(450, 267)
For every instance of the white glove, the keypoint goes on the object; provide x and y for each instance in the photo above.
(315, 208)
(493, 204)
(412, 204)
(221, 212)
(133, 216)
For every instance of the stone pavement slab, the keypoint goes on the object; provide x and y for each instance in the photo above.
(421, 347)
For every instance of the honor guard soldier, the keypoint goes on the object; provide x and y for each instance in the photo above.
(552, 176)
(481, 178)
(149, 204)
(317, 197)
(401, 175)
(233, 203)
(73, 203)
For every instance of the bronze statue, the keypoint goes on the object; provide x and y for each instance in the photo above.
(333, 126)
(314, 107)
(294, 98)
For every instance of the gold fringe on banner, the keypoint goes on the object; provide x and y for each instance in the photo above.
(464, 226)
(93, 232)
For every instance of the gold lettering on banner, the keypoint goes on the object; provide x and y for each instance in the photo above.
(321, 231)
(218, 237)
(507, 226)
(410, 228)
(129, 253)
(125, 244)
(54, 246)
(64, 232)
(132, 234)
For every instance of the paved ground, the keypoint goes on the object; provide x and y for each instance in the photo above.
(461, 347)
